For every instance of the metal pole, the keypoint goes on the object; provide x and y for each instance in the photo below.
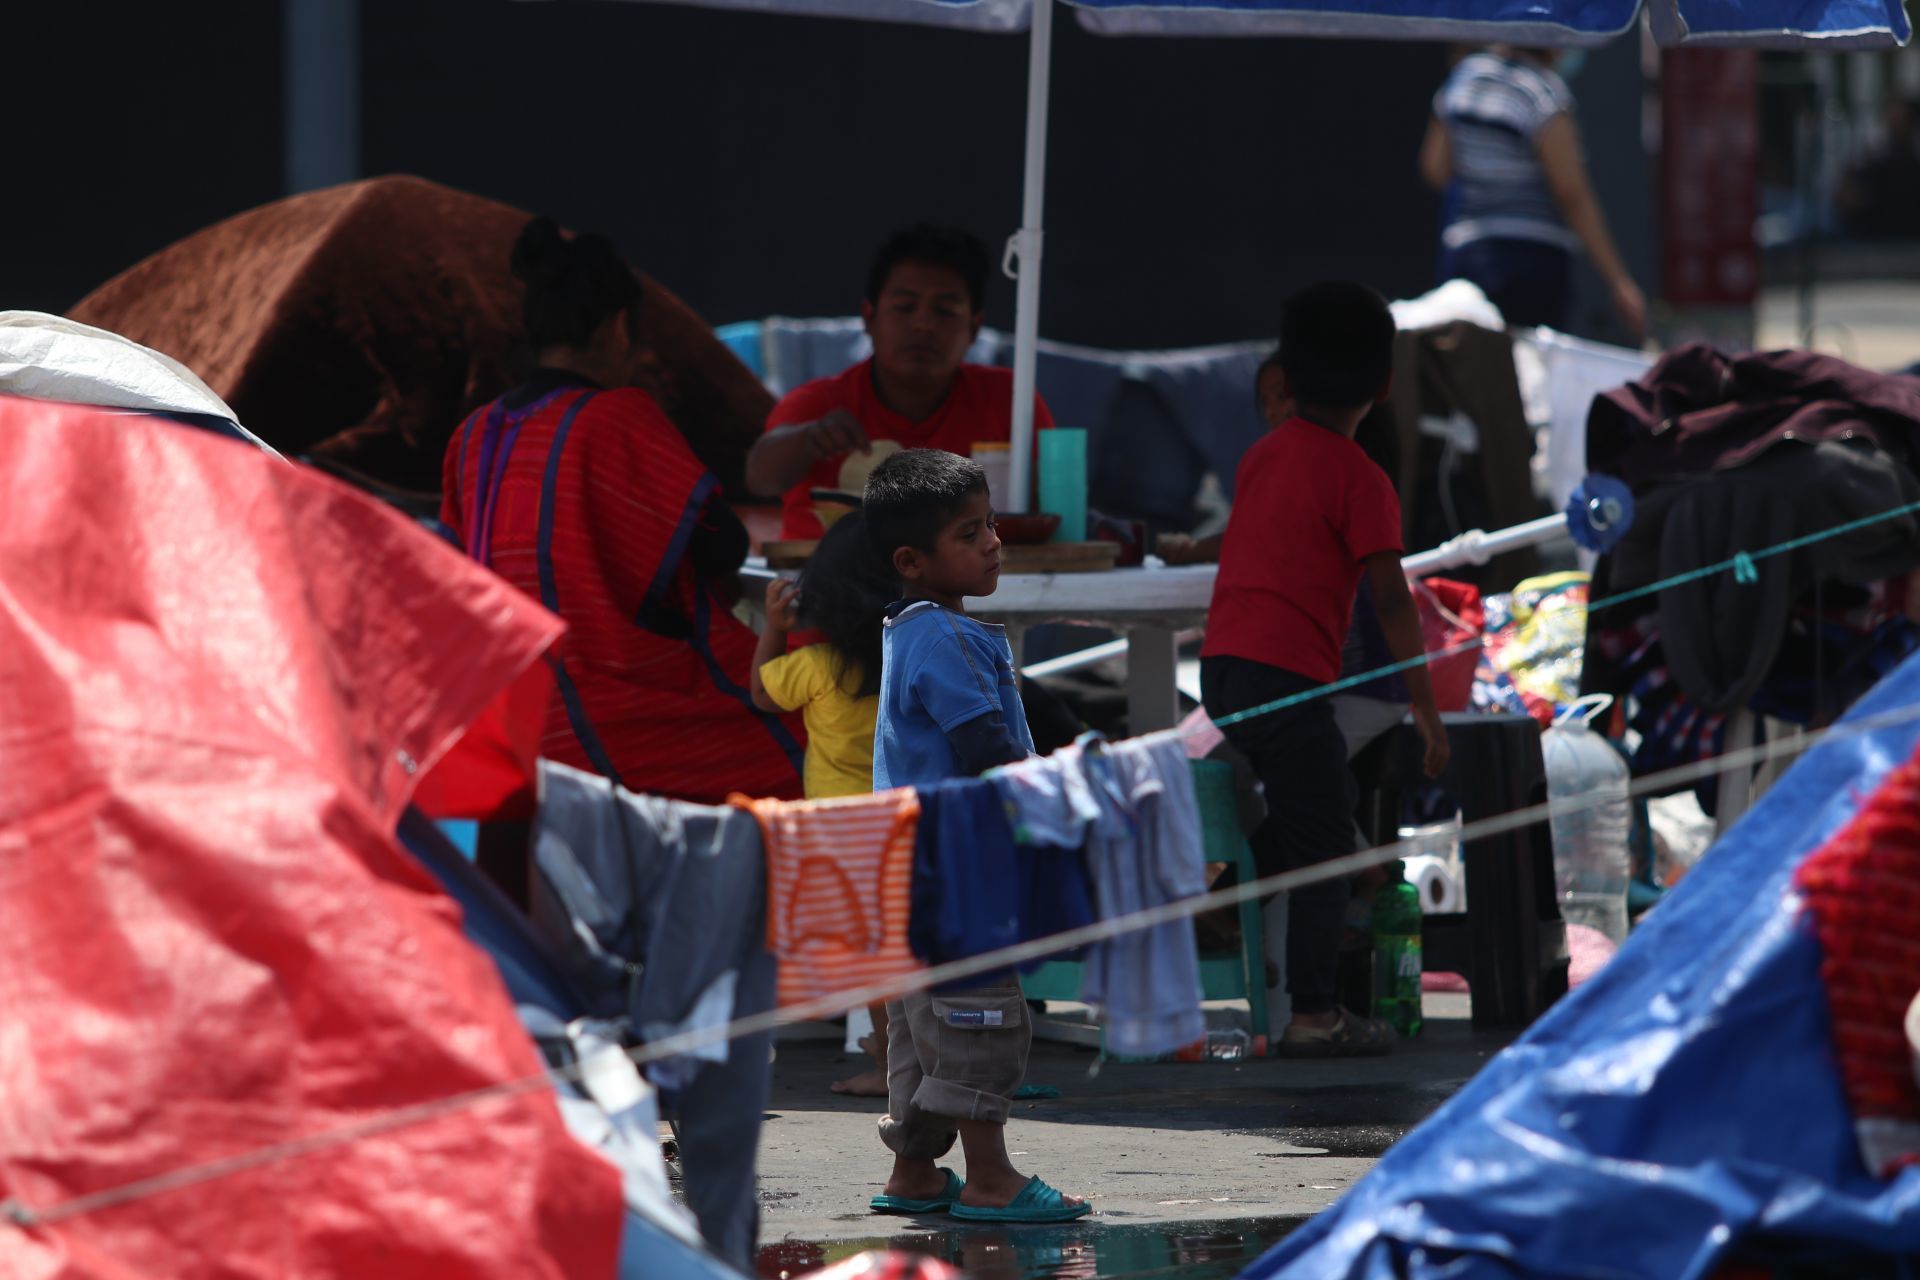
(1476, 547)
(1025, 248)
(1810, 125)
(323, 93)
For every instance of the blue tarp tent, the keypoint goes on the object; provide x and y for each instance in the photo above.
(1683, 1109)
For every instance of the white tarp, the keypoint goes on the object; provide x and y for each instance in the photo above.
(1571, 372)
(47, 357)
(967, 15)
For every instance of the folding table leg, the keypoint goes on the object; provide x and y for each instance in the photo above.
(1153, 660)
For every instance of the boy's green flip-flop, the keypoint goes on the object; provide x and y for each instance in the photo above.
(939, 1204)
(1037, 1202)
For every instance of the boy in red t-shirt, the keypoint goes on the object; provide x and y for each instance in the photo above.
(1311, 514)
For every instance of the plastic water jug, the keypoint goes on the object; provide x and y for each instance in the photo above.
(1591, 859)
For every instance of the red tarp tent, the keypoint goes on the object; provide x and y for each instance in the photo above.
(219, 678)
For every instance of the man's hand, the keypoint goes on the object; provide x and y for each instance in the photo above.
(836, 434)
(1175, 548)
(1434, 734)
(782, 457)
(783, 604)
(1184, 548)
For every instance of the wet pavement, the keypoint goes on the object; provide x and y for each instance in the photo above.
(1080, 1251)
(1194, 1169)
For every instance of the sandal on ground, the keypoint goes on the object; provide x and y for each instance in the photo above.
(1348, 1036)
(946, 1200)
(1037, 1202)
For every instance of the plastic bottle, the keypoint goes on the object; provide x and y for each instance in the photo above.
(1591, 859)
(1223, 1044)
(1397, 956)
(1229, 1045)
(996, 459)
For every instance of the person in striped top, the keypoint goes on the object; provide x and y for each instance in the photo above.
(1503, 147)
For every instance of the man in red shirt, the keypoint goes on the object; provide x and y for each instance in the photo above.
(924, 307)
(1312, 514)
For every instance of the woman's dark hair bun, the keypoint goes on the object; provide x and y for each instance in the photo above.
(573, 284)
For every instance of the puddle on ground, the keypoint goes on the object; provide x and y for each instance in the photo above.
(1366, 1142)
(1350, 1122)
(1091, 1249)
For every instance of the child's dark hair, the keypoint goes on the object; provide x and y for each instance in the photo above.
(1336, 345)
(940, 246)
(911, 494)
(844, 593)
(574, 284)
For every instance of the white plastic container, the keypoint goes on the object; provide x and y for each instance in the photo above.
(997, 461)
(1591, 859)
(1438, 870)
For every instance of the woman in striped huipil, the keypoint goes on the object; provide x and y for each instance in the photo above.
(582, 493)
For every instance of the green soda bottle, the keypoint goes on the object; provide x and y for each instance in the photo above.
(1396, 956)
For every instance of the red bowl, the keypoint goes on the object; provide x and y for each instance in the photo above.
(1026, 530)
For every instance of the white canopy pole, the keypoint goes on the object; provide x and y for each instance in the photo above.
(1025, 248)
(1476, 546)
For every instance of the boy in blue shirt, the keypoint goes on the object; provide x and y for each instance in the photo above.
(949, 708)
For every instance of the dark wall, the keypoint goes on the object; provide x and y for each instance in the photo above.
(1612, 92)
(130, 126)
(753, 161)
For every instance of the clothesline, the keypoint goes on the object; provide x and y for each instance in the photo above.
(26, 1216)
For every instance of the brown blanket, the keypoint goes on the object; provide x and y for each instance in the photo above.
(362, 323)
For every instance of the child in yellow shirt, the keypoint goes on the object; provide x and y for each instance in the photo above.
(843, 594)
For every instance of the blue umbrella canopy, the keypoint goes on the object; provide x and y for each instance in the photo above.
(1773, 24)
(1789, 24)
(1751, 24)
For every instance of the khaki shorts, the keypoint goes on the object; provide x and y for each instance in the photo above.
(950, 1058)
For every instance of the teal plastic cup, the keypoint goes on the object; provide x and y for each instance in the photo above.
(1063, 481)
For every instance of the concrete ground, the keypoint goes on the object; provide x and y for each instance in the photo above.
(1179, 1160)
(1875, 324)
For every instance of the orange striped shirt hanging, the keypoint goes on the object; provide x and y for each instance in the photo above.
(839, 889)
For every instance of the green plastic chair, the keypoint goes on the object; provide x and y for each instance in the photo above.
(1223, 975)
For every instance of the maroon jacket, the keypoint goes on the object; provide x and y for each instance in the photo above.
(1701, 410)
